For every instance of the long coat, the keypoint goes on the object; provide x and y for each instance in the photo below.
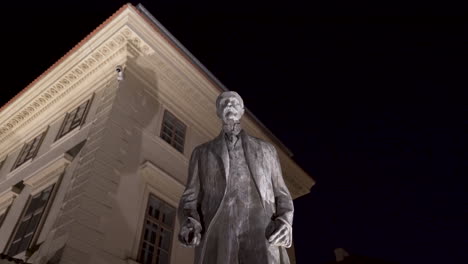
(206, 187)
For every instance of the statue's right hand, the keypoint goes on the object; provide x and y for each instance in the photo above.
(189, 235)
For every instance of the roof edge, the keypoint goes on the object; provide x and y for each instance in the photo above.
(146, 14)
(141, 10)
(65, 56)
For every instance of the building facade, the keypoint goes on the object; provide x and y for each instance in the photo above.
(94, 153)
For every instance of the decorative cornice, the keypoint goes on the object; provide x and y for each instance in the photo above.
(96, 59)
(125, 37)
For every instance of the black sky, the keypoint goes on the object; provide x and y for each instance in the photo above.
(370, 98)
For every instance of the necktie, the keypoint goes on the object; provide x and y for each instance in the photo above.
(232, 139)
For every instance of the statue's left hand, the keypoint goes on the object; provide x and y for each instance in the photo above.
(281, 236)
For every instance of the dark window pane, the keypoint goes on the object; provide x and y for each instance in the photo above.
(169, 126)
(158, 230)
(29, 150)
(33, 205)
(24, 244)
(166, 138)
(179, 128)
(180, 134)
(73, 114)
(155, 204)
(156, 213)
(34, 222)
(28, 147)
(34, 145)
(21, 230)
(163, 258)
(22, 155)
(80, 113)
(169, 218)
(149, 258)
(179, 138)
(14, 248)
(165, 241)
(166, 130)
(74, 118)
(153, 237)
(75, 124)
(178, 144)
(68, 121)
(173, 130)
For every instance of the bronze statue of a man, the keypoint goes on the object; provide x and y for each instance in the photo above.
(236, 208)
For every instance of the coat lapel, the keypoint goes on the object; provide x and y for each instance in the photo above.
(220, 149)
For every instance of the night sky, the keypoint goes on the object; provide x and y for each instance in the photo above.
(371, 99)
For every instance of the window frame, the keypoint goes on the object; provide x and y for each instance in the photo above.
(18, 161)
(160, 225)
(84, 116)
(170, 137)
(38, 228)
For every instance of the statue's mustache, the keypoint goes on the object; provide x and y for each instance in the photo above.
(229, 109)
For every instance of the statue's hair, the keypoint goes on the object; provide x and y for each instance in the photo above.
(229, 94)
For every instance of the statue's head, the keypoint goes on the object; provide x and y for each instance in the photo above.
(229, 107)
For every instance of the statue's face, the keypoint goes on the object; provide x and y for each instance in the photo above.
(230, 109)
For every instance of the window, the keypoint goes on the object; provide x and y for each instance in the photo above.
(173, 131)
(74, 119)
(29, 150)
(29, 222)
(157, 232)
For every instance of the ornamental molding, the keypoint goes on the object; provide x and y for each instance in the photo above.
(117, 45)
(129, 40)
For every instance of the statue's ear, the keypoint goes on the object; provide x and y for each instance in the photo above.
(242, 111)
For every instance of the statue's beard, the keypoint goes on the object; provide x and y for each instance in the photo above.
(232, 127)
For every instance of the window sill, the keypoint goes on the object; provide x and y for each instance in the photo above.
(65, 137)
(19, 168)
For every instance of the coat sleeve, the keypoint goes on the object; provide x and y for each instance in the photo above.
(188, 205)
(283, 200)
